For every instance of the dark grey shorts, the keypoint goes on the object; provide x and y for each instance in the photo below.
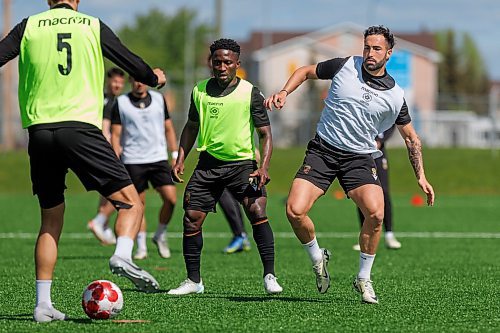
(323, 163)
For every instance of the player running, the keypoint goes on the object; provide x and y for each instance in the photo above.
(61, 75)
(363, 101)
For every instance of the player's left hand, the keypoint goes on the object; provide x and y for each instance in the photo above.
(428, 190)
(262, 176)
(162, 79)
(177, 171)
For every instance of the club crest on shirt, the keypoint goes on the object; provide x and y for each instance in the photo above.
(367, 97)
(374, 173)
(306, 168)
(187, 197)
(214, 109)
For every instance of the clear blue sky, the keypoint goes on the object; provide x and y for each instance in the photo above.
(480, 18)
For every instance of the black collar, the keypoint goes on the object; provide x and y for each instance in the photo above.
(62, 5)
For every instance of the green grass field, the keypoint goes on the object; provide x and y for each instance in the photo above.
(444, 279)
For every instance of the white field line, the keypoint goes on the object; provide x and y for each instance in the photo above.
(451, 235)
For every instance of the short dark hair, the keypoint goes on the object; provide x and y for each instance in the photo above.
(225, 44)
(115, 71)
(381, 30)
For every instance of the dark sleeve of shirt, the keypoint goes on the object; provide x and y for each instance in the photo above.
(108, 108)
(257, 109)
(115, 115)
(10, 46)
(326, 70)
(114, 50)
(404, 116)
(165, 108)
(193, 111)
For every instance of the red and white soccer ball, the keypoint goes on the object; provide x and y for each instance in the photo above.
(102, 299)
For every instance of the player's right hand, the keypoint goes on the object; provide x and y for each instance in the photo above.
(177, 171)
(162, 79)
(277, 100)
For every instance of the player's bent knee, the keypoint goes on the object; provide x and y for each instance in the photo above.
(192, 222)
(295, 214)
(376, 218)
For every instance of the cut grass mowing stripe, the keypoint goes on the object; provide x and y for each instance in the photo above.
(452, 235)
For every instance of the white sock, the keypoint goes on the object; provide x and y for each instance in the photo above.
(43, 292)
(124, 246)
(100, 219)
(389, 234)
(141, 240)
(312, 248)
(160, 231)
(365, 265)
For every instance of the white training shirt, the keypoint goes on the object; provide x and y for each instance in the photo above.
(143, 130)
(354, 113)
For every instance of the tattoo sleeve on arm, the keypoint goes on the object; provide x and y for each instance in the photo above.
(414, 147)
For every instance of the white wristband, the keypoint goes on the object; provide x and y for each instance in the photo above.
(174, 154)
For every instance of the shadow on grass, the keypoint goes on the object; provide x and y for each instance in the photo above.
(80, 320)
(29, 317)
(242, 298)
(273, 298)
(82, 257)
(17, 317)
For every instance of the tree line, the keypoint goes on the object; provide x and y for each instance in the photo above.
(161, 40)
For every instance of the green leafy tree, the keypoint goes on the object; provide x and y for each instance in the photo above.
(463, 80)
(160, 40)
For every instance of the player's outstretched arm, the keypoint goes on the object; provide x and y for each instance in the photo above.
(414, 147)
(298, 77)
(188, 136)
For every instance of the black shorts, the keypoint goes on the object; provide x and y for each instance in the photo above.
(82, 149)
(157, 173)
(323, 163)
(207, 183)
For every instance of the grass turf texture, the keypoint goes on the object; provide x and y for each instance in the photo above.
(430, 285)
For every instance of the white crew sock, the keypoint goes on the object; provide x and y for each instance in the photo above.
(365, 265)
(43, 292)
(389, 234)
(312, 248)
(160, 231)
(124, 246)
(100, 219)
(141, 240)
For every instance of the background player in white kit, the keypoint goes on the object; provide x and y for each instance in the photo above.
(142, 131)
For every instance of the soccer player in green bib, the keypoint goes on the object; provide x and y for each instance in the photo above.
(225, 110)
(61, 76)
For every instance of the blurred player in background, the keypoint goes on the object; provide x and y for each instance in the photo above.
(363, 101)
(61, 75)
(223, 114)
(115, 81)
(382, 164)
(141, 134)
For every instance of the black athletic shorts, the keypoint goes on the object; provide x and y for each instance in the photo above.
(323, 163)
(209, 180)
(82, 149)
(157, 173)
